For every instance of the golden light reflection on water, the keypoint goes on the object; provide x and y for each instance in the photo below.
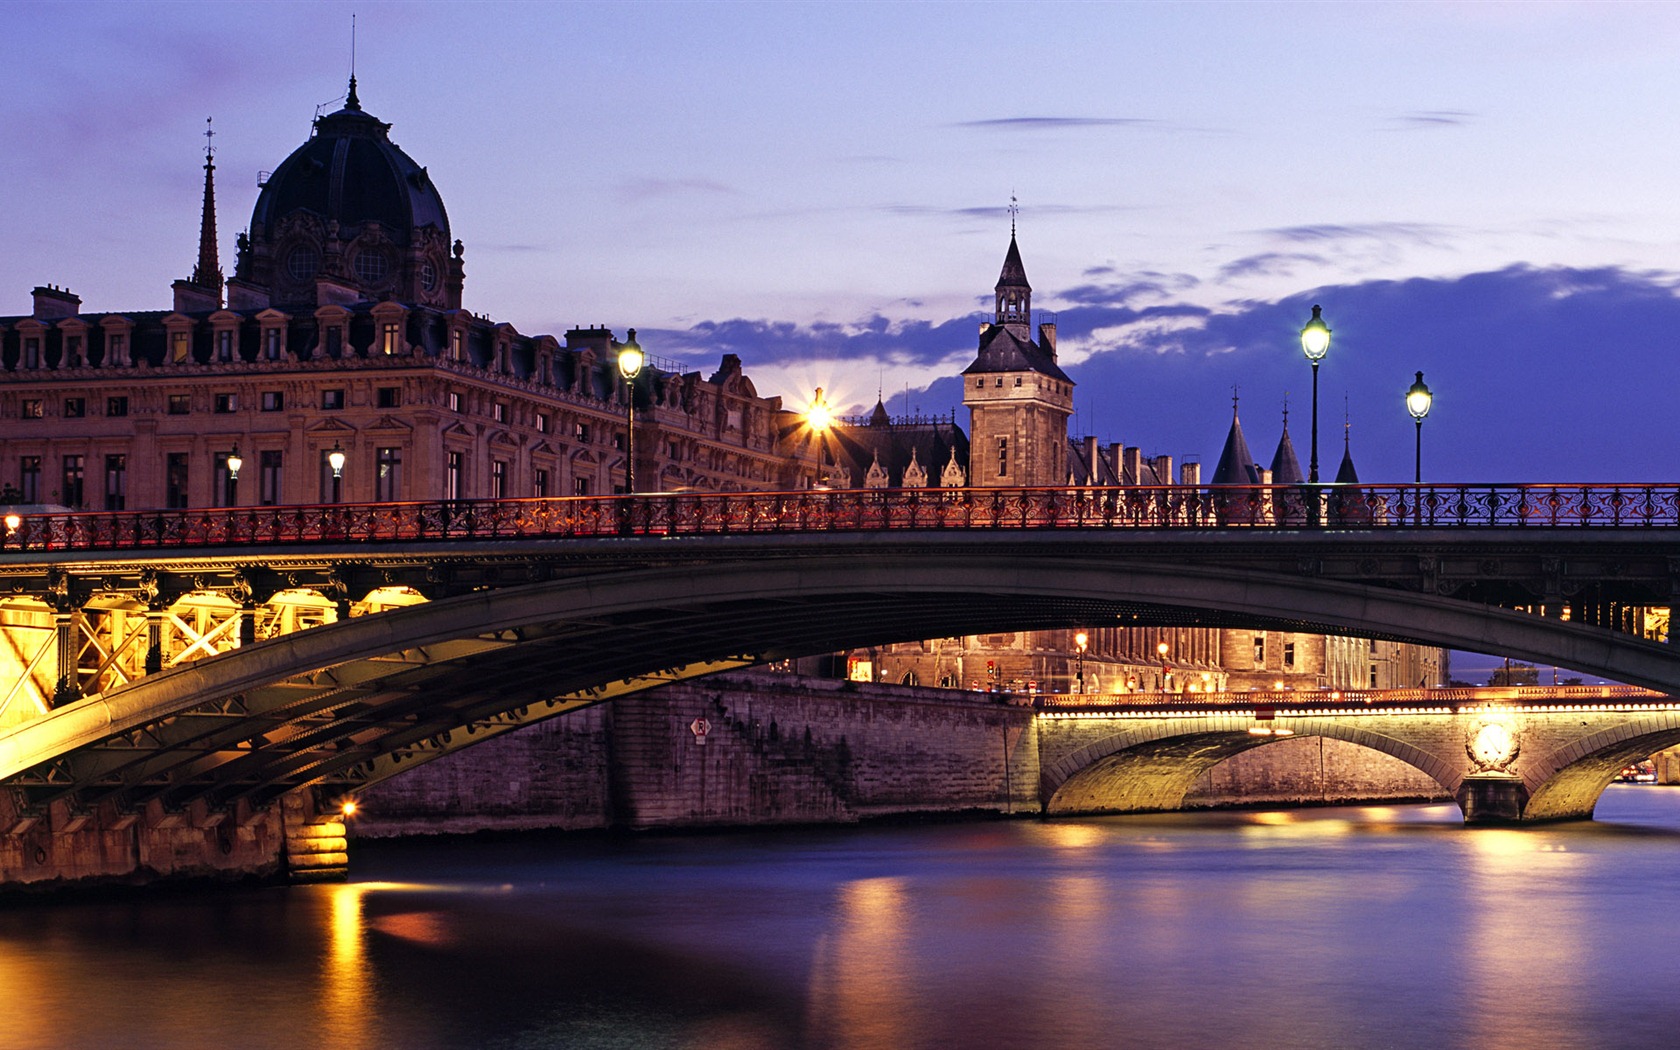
(861, 979)
(1519, 962)
(348, 1002)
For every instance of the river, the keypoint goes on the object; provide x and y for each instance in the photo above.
(1334, 928)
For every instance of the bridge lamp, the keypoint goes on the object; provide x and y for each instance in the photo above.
(1080, 641)
(234, 462)
(1418, 400)
(819, 417)
(348, 807)
(335, 460)
(13, 523)
(1315, 343)
(630, 361)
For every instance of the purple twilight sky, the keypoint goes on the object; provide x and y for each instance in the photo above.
(1479, 190)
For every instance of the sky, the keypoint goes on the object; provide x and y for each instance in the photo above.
(1480, 191)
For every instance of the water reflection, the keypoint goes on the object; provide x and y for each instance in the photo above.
(1350, 928)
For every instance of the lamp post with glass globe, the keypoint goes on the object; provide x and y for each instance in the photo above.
(1315, 343)
(335, 460)
(630, 360)
(1080, 641)
(234, 462)
(1418, 401)
(819, 418)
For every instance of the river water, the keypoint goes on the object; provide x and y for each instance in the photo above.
(1334, 928)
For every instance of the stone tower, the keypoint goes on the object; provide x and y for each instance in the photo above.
(1018, 399)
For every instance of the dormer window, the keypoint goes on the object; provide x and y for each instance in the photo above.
(179, 347)
(32, 353)
(224, 346)
(390, 338)
(271, 344)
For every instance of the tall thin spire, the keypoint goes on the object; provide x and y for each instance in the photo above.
(208, 272)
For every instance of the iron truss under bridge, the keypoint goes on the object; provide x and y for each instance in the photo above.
(224, 657)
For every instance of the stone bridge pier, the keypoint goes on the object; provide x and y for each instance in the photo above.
(1502, 763)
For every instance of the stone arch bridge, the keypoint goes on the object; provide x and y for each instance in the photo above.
(199, 666)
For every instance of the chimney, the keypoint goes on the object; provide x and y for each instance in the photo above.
(1190, 474)
(1093, 461)
(1133, 473)
(1047, 337)
(53, 302)
(1163, 467)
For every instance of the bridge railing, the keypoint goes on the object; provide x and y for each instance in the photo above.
(1454, 696)
(819, 511)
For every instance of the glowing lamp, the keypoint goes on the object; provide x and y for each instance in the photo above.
(348, 808)
(234, 462)
(1082, 640)
(1315, 337)
(335, 460)
(13, 521)
(1418, 399)
(819, 416)
(630, 357)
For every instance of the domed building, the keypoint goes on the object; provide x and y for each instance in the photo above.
(348, 216)
(343, 332)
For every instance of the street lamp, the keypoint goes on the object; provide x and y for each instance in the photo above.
(630, 359)
(1315, 343)
(234, 462)
(335, 460)
(1418, 400)
(1080, 641)
(819, 417)
(1161, 650)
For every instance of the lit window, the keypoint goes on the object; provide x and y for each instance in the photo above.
(498, 412)
(32, 408)
(178, 347)
(454, 401)
(542, 422)
(273, 401)
(390, 338)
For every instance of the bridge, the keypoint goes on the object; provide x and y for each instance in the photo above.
(192, 669)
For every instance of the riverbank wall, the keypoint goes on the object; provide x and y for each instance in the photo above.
(761, 749)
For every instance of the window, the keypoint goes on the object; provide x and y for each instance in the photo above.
(268, 477)
(539, 487)
(498, 479)
(271, 344)
(75, 407)
(387, 479)
(335, 340)
(226, 403)
(371, 267)
(73, 351)
(273, 401)
(542, 422)
(390, 338)
(457, 345)
(1259, 650)
(31, 408)
(116, 350)
(175, 480)
(454, 401)
(302, 262)
(224, 488)
(116, 482)
(1289, 655)
(32, 353)
(498, 412)
(1017, 380)
(179, 347)
(332, 399)
(388, 397)
(29, 478)
(580, 486)
(71, 493)
(1003, 457)
(618, 442)
(582, 432)
(454, 476)
(116, 406)
(428, 276)
(180, 404)
(224, 345)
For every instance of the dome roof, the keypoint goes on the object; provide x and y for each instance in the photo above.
(349, 171)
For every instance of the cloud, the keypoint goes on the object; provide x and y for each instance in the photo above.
(1268, 264)
(1433, 118)
(1386, 232)
(1038, 123)
(645, 189)
(1540, 374)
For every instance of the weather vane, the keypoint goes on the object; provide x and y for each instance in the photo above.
(1014, 210)
(209, 138)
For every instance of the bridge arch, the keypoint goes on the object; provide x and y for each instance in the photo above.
(1151, 766)
(418, 681)
(1566, 783)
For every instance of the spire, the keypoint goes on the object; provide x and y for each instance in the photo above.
(1345, 474)
(1014, 294)
(1236, 462)
(351, 101)
(208, 272)
(1286, 467)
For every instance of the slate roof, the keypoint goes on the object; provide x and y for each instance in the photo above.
(1001, 350)
(1286, 468)
(1236, 462)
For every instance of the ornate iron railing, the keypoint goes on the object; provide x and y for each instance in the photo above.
(731, 513)
(1273, 699)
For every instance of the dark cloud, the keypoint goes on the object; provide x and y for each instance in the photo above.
(1268, 264)
(1387, 232)
(1554, 374)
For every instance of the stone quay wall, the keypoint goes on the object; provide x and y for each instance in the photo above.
(787, 749)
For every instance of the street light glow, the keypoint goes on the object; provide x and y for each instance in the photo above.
(819, 417)
(1419, 399)
(1315, 337)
